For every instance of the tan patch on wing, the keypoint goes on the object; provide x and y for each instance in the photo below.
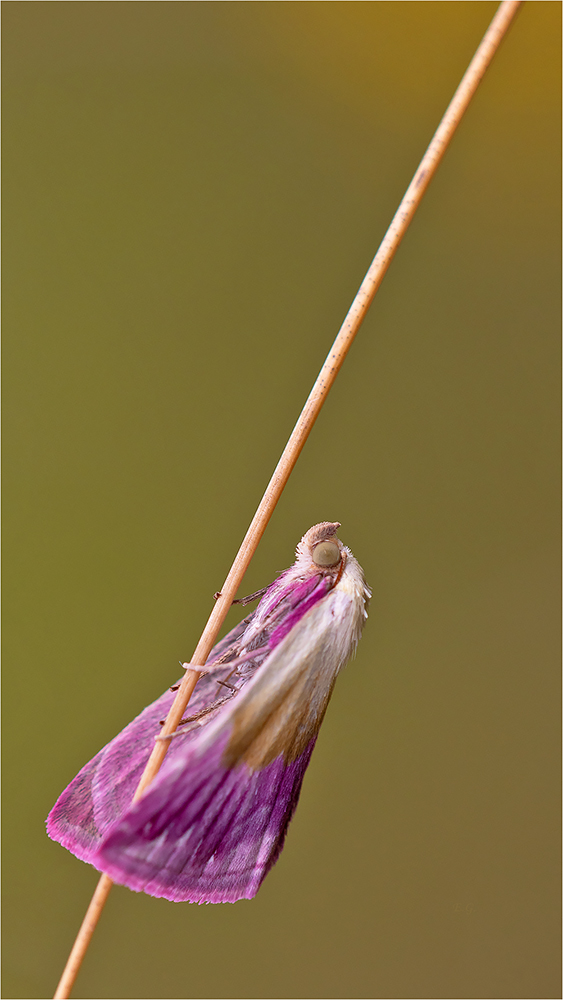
(264, 730)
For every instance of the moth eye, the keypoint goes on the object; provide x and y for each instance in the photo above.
(326, 554)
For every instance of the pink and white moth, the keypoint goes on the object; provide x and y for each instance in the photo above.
(213, 822)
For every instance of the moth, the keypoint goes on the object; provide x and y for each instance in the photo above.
(213, 822)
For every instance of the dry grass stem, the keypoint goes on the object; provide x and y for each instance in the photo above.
(405, 212)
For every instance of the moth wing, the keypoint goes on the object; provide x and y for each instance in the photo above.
(213, 822)
(102, 791)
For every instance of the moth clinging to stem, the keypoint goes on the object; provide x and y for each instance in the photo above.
(213, 822)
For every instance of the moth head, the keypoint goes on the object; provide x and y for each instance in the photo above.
(320, 547)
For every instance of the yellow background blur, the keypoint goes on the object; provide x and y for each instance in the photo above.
(192, 194)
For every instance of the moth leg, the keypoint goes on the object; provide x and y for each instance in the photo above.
(214, 666)
(176, 687)
(224, 662)
(226, 684)
(251, 597)
(244, 600)
(169, 736)
(188, 666)
(193, 666)
(236, 661)
(203, 712)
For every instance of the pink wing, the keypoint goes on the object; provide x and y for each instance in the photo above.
(209, 834)
(102, 791)
(212, 823)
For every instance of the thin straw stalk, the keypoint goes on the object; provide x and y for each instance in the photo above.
(327, 375)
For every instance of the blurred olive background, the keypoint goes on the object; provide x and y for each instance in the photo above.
(192, 194)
